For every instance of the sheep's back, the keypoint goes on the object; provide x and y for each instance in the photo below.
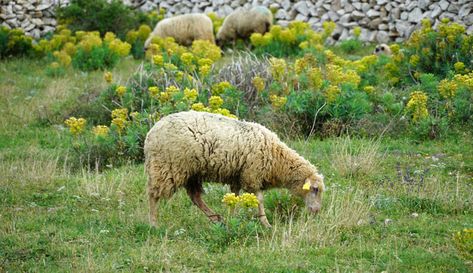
(206, 145)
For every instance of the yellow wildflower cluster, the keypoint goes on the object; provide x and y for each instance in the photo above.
(328, 27)
(89, 41)
(246, 200)
(278, 68)
(206, 49)
(153, 91)
(108, 76)
(187, 58)
(257, 39)
(190, 94)
(315, 78)
(141, 34)
(120, 48)
(447, 88)
(119, 118)
(101, 130)
(219, 88)
(369, 89)
(417, 105)
(336, 76)
(216, 20)
(332, 93)
(63, 58)
(277, 101)
(459, 67)
(465, 80)
(76, 125)
(120, 90)
(215, 102)
(258, 83)
(464, 242)
(357, 32)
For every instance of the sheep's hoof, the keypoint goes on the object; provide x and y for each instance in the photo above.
(216, 218)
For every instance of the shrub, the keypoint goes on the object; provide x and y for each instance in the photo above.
(351, 45)
(14, 42)
(100, 15)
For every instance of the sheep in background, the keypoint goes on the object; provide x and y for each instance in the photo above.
(184, 29)
(382, 49)
(243, 22)
(187, 148)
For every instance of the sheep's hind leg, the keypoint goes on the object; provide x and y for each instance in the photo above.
(153, 212)
(194, 190)
(261, 213)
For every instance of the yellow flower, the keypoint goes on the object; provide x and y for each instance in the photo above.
(219, 88)
(101, 130)
(328, 27)
(190, 94)
(54, 65)
(224, 112)
(215, 102)
(170, 66)
(164, 97)
(108, 77)
(414, 60)
(258, 83)
(369, 89)
(153, 91)
(417, 105)
(143, 32)
(120, 48)
(278, 68)
(158, 60)
(187, 58)
(120, 90)
(447, 88)
(198, 106)
(120, 113)
(205, 61)
(172, 89)
(204, 70)
(287, 36)
(206, 49)
(248, 200)
(230, 199)
(357, 32)
(315, 78)
(76, 125)
(459, 67)
(277, 101)
(63, 57)
(332, 93)
(109, 37)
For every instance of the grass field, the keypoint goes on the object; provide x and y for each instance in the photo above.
(391, 205)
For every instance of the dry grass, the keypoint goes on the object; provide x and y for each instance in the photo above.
(354, 159)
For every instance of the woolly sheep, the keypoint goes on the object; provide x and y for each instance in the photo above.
(187, 148)
(184, 29)
(382, 49)
(243, 22)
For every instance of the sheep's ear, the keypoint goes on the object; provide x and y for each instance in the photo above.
(306, 185)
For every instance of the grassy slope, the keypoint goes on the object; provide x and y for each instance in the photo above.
(52, 219)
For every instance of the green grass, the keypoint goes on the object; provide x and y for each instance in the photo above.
(55, 217)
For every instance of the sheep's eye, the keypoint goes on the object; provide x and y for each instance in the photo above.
(314, 189)
(377, 49)
(382, 48)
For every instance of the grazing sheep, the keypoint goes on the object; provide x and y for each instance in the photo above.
(382, 49)
(243, 22)
(187, 148)
(184, 29)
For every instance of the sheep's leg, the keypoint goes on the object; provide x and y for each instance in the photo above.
(235, 188)
(194, 190)
(261, 213)
(153, 212)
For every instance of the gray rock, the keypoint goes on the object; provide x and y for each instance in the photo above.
(383, 27)
(365, 7)
(435, 12)
(464, 11)
(281, 14)
(333, 16)
(357, 5)
(372, 13)
(423, 4)
(415, 15)
(286, 4)
(468, 20)
(374, 23)
(411, 5)
(348, 7)
(444, 4)
(453, 8)
(301, 7)
(44, 6)
(357, 15)
(345, 19)
(404, 15)
(381, 2)
(396, 13)
(382, 37)
(301, 17)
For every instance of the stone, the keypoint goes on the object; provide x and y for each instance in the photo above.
(383, 27)
(281, 14)
(348, 7)
(411, 5)
(286, 4)
(372, 13)
(357, 15)
(382, 37)
(435, 12)
(404, 15)
(365, 7)
(453, 8)
(357, 5)
(374, 23)
(423, 4)
(468, 19)
(301, 17)
(345, 19)
(43, 6)
(464, 11)
(381, 2)
(415, 15)
(333, 16)
(396, 13)
(301, 8)
(444, 4)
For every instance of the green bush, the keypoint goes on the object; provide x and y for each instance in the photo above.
(14, 42)
(99, 58)
(351, 45)
(92, 15)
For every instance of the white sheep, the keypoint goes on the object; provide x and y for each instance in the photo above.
(187, 148)
(243, 22)
(184, 29)
(382, 49)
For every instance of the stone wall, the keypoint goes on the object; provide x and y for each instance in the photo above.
(380, 20)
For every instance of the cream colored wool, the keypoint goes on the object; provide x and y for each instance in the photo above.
(187, 148)
(184, 29)
(243, 22)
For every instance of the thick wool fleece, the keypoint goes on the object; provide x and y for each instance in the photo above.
(242, 23)
(184, 29)
(183, 149)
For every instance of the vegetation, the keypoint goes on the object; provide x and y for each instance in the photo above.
(397, 154)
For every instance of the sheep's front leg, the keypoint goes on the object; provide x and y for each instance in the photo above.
(153, 213)
(196, 197)
(261, 213)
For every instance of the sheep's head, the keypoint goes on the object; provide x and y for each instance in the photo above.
(312, 191)
(382, 49)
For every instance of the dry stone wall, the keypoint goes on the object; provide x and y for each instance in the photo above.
(379, 20)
